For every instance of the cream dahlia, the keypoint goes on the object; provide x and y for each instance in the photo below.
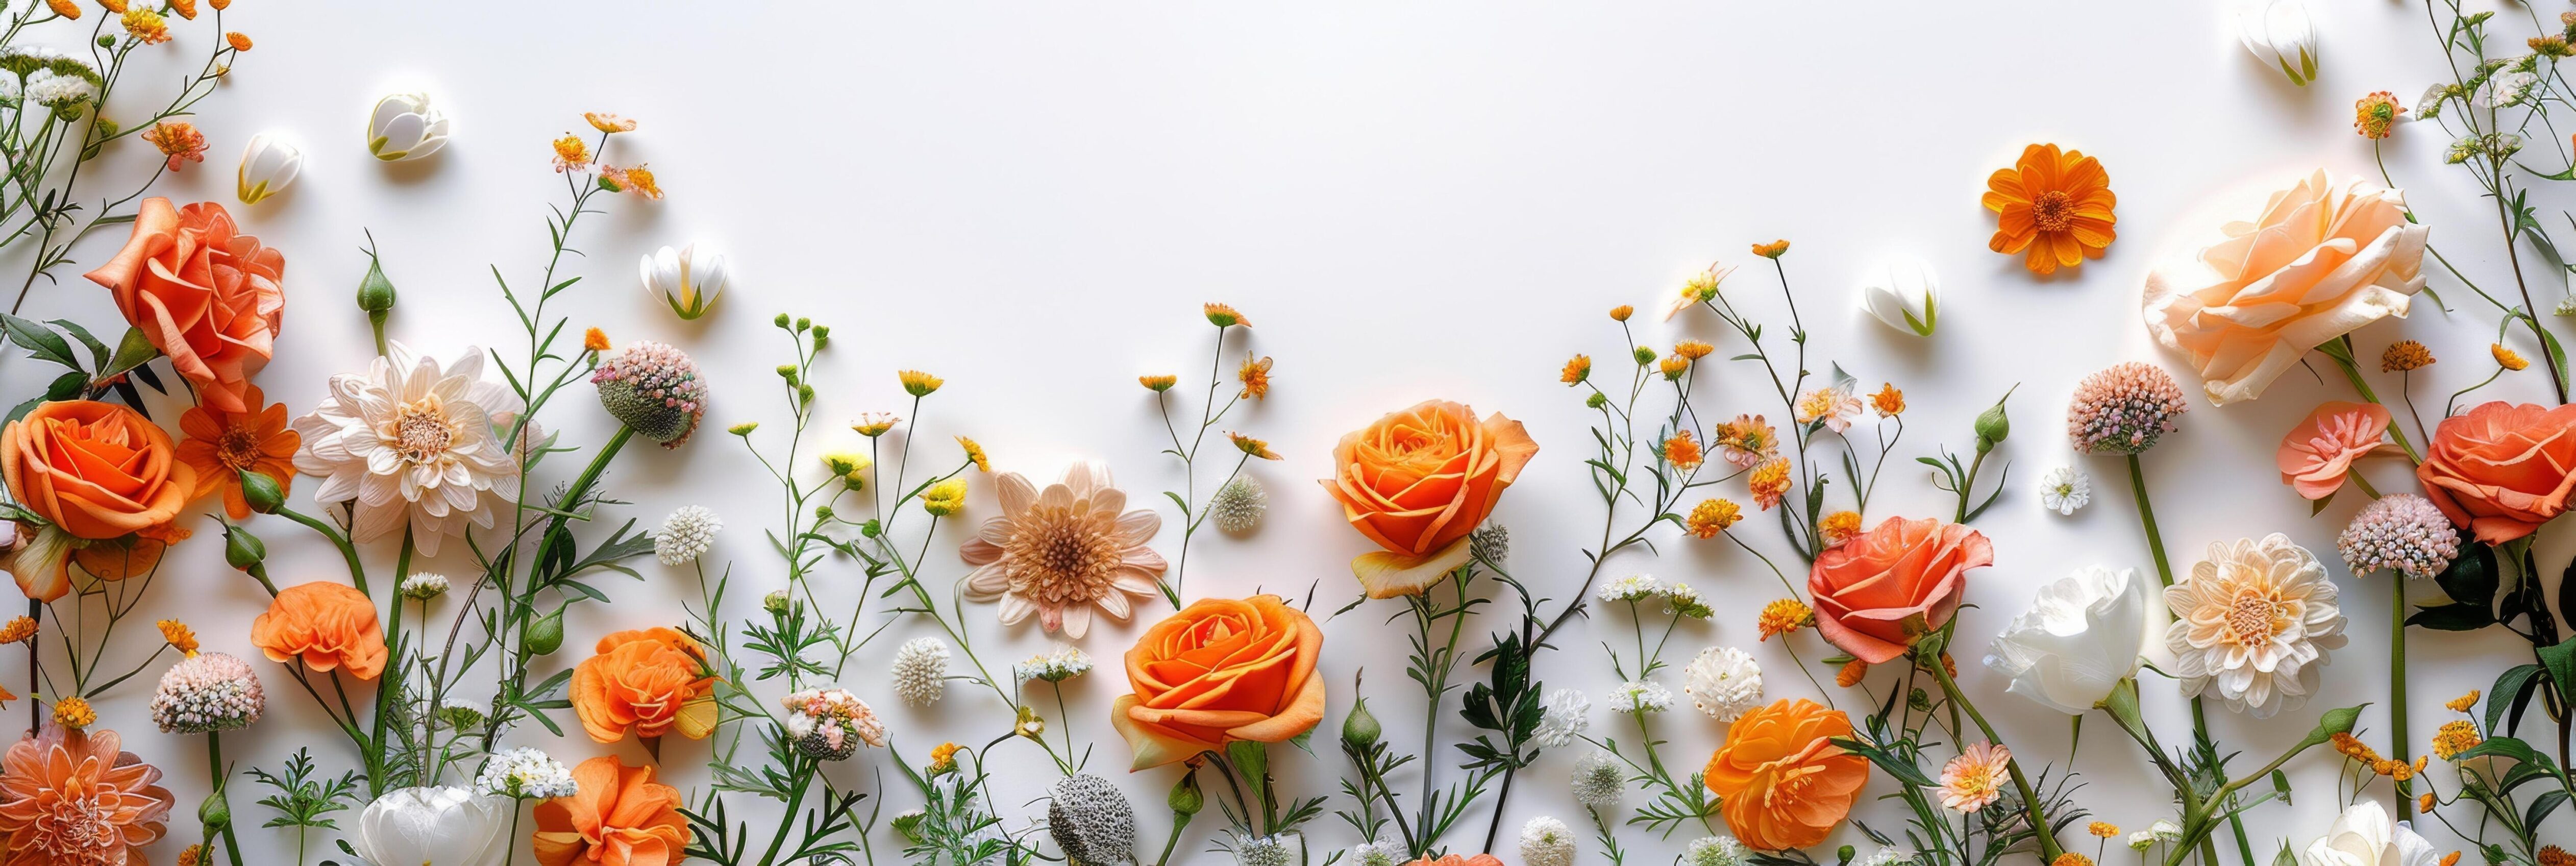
(2254, 622)
(411, 441)
(1064, 550)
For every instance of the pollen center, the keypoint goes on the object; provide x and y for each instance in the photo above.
(2053, 211)
(421, 432)
(1062, 557)
(2253, 618)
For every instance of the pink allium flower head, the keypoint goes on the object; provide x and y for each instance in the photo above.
(654, 389)
(2401, 532)
(2123, 410)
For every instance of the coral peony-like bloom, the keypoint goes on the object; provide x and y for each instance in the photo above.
(2253, 623)
(411, 440)
(327, 625)
(2320, 261)
(2054, 204)
(649, 681)
(2499, 470)
(222, 445)
(1780, 780)
(69, 798)
(1416, 482)
(1221, 670)
(619, 817)
(204, 294)
(2317, 454)
(1060, 552)
(1879, 592)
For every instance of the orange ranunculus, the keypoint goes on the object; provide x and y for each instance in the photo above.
(648, 681)
(1780, 781)
(221, 444)
(328, 625)
(2055, 204)
(618, 816)
(1416, 482)
(96, 471)
(2317, 454)
(1218, 671)
(2502, 470)
(1877, 593)
(1458, 860)
(204, 294)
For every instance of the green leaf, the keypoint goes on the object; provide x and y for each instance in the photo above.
(2560, 661)
(2452, 617)
(42, 342)
(133, 351)
(2471, 579)
(2508, 691)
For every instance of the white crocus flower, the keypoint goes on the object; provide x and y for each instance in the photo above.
(268, 165)
(2280, 34)
(440, 826)
(688, 278)
(2083, 634)
(2363, 836)
(405, 126)
(1906, 295)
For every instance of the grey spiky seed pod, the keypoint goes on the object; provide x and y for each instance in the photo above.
(1491, 542)
(654, 389)
(1091, 821)
(1240, 504)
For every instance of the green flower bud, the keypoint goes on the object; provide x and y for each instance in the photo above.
(1186, 799)
(1993, 425)
(375, 292)
(262, 492)
(781, 321)
(242, 549)
(1359, 729)
(543, 635)
(215, 812)
(1845, 854)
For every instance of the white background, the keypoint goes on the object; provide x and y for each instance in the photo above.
(1409, 201)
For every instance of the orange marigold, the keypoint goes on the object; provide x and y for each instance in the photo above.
(571, 154)
(1619, 313)
(1693, 349)
(1889, 401)
(2459, 704)
(1783, 616)
(1839, 527)
(74, 712)
(1769, 482)
(238, 41)
(2456, 736)
(20, 629)
(179, 636)
(222, 445)
(1683, 452)
(1255, 375)
(594, 340)
(1711, 517)
(2102, 829)
(2552, 855)
(2054, 205)
(2404, 355)
(1576, 370)
(2507, 358)
(2071, 858)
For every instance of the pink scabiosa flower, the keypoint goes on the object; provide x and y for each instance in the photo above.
(654, 389)
(2401, 532)
(2317, 454)
(1976, 777)
(2123, 410)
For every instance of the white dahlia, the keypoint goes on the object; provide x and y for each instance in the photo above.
(1063, 551)
(412, 442)
(2254, 622)
(1723, 682)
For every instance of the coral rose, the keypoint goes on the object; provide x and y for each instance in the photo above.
(618, 816)
(328, 625)
(1416, 482)
(95, 471)
(204, 294)
(2317, 454)
(2319, 262)
(2501, 470)
(1218, 671)
(1780, 780)
(647, 680)
(1875, 594)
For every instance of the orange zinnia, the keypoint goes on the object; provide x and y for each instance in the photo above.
(221, 445)
(646, 680)
(2054, 204)
(328, 625)
(618, 816)
(1782, 782)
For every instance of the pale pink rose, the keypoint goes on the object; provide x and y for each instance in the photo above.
(2321, 261)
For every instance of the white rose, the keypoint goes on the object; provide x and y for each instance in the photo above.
(2363, 836)
(441, 826)
(2083, 634)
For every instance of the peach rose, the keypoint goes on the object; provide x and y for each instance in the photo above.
(203, 293)
(327, 625)
(95, 471)
(1218, 671)
(2501, 470)
(1416, 482)
(2317, 454)
(1780, 781)
(647, 680)
(2321, 261)
(617, 816)
(1875, 594)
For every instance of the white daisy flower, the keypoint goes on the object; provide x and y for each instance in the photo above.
(2065, 489)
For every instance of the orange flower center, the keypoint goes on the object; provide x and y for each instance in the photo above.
(421, 432)
(2053, 211)
(2253, 618)
(238, 448)
(1063, 555)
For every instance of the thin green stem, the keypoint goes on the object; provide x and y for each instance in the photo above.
(2397, 684)
(2048, 847)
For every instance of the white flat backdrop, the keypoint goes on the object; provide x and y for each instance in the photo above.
(1410, 201)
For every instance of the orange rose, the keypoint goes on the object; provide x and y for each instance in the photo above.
(2501, 470)
(1416, 482)
(1877, 593)
(2317, 454)
(326, 624)
(648, 680)
(618, 816)
(1219, 671)
(204, 294)
(95, 471)
(1779, 779)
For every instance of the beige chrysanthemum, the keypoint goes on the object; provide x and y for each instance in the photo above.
(2254, 622)
(411, 441)
(1060, 552)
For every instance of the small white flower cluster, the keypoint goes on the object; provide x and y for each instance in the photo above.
(1723, 682)
(921, 671)
(1384, 852)
(1634, 587)
(59, 92)
(1598, 780)
(1681, 599)
(1567, 715)
(423, 586)
(1547, 841)
(1715, 851)
(1063, 664)
(829, 724)
(526, 774)
(1885, 856)
(1640, 696)
(1263, 851)
(686, 535)
(2160, 831)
